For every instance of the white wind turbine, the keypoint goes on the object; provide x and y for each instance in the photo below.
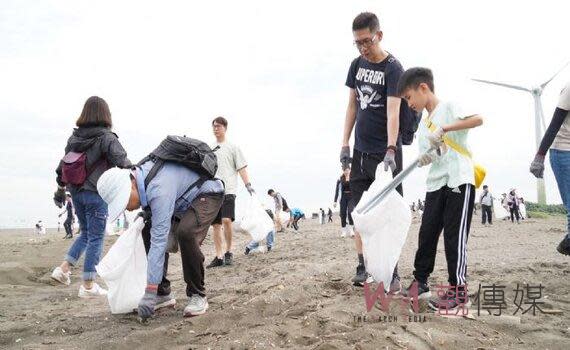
(536, 93)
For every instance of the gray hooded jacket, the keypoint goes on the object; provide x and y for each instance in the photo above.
(103, 150)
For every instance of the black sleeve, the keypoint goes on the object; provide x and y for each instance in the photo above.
(114, 151)
(351, 77)
(557, 120)
(58, 174)
(394, 71)
(336, 191)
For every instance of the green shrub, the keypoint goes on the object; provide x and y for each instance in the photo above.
(552, 209)
(536, 215)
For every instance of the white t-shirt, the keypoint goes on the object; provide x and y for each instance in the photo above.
(451, 169)
(230, 160)
(562, 139)
(487, 199)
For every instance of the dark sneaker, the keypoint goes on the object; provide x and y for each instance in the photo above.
(450, 301)
(360, 277)
(423, 290)
(228, 258)
(247, 250)
(564, 246)
(395, 285)
(269, 248)
(215, 263)
(163, 301)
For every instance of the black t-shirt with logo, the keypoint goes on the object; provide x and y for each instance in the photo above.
(373, 82)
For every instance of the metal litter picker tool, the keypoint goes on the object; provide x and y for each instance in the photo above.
(374, 201)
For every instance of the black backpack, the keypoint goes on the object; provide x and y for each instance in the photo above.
(409, 121)
(191, 153)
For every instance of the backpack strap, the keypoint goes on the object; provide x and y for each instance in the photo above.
(198, 183)
(158, 163)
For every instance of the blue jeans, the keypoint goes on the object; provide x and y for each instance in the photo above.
(560, 163)
(270, 239)
(91, 210)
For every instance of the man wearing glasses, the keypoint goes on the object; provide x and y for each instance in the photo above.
(374, 106)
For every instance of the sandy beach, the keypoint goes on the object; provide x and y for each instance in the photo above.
(298, 296)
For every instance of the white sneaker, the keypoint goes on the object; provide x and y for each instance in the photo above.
(343, 232)
(94, 292)
(351, 230)
(197, 305)
(60, 276)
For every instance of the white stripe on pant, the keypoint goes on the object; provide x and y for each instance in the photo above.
(462, 246)
(449, 210)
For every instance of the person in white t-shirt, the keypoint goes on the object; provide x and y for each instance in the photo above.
(231, 162)
(557, 139)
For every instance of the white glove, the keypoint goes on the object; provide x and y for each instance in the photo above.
(436, 138)
(425, 159)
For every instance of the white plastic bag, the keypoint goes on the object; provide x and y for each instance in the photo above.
(383, 229)
(123, 269)
(499, 211)
(522, 210)
(255, 220)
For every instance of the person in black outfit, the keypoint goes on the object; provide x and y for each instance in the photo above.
(486, 201)
(342, 190)
(373, 112)
(69, 220)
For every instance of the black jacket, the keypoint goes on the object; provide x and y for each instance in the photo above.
(98, 143)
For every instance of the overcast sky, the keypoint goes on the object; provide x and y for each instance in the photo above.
(275, 70)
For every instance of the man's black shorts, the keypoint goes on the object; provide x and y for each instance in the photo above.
(363, 173)
(228, 209)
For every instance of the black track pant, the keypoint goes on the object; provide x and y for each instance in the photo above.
(344, 211)
(486, 214)
(451, 211)
(515, 213)
(67, 226)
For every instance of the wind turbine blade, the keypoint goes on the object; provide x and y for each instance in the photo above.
(502, 84)
(549, 80)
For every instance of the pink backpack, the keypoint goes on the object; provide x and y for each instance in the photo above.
(74, 169)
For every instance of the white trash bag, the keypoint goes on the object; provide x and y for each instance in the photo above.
(383, 229)
(522, 210)
(255, 220)
(499, 211)
(123, 269)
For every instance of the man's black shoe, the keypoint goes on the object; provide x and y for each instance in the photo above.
(564, 246)
(423, 290)
(361, 276)
(228, 258)
(215, 263)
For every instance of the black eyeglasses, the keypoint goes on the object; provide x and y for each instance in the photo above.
(365, 42)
